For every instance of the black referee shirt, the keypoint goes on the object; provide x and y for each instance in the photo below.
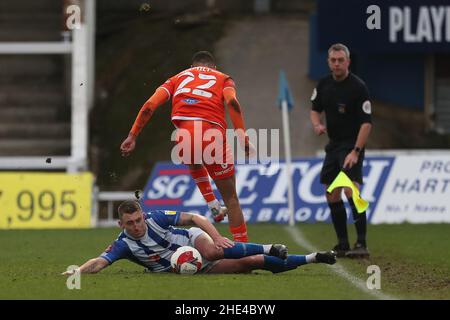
(346, 105)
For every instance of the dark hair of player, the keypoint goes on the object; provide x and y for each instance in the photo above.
(203, 58)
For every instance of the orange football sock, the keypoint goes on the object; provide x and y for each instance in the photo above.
(201, 178)
(240, 233)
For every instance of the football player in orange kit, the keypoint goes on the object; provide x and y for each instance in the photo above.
(198, 95)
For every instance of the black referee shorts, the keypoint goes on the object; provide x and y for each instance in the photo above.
(334, 162)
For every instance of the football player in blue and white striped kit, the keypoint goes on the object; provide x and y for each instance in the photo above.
(150, 239)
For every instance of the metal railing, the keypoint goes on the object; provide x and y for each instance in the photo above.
(35, 47)
(109, 197)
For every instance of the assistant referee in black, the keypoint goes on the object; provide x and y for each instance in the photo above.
(344, 99)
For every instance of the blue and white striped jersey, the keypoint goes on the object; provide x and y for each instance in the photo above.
(155, 248)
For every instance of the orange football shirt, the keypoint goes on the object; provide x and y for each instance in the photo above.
(197, 94)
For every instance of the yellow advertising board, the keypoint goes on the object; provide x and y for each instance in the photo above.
(35, 200)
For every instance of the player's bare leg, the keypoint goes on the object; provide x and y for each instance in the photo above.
(270, 263)
(243, 265)
(205, 245)
(210, 251)
(238, 227)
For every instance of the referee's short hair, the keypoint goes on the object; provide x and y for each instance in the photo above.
(340, 47)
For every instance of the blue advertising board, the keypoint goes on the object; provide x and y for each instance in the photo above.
(262, 190)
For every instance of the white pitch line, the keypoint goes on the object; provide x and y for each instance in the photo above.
(298, 237)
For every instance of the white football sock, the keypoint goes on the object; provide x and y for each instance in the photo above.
(266, 248)
(311, 258)
(214, 204)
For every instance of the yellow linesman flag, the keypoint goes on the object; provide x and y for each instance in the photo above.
(342, 180)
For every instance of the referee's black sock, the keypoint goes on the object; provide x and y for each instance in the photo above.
(339, 219)
(360, 220)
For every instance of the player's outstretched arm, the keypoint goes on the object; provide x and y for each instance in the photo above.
(237, 118)
(158, 98)
(91, 266)
(234, 108)
(187, 218)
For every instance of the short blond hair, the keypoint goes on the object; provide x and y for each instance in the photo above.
(340, 47)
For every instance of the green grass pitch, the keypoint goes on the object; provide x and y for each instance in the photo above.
(414, 261)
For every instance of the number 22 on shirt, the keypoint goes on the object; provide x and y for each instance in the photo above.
(209, 81)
